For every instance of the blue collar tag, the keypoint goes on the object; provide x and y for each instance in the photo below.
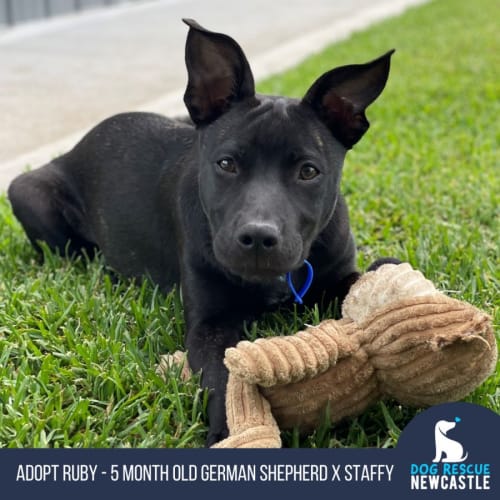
(305, 287)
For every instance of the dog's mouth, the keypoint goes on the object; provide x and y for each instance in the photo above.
(256, 275)
(259, 272)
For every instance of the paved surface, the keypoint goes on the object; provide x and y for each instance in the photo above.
(61, 77)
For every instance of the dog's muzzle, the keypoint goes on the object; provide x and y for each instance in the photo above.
(258, 251)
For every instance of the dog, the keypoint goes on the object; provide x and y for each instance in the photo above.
(453, 450)
(225, 203)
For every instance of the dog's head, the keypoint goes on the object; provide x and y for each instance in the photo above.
(270, 167)
(443, 426)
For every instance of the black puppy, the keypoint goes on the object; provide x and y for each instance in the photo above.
(225, 207)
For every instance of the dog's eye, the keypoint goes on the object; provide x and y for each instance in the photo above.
(227, 164)
(308, 172)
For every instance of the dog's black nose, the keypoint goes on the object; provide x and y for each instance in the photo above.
(258, 236)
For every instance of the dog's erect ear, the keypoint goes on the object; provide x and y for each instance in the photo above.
(341, 95)
(218, 74)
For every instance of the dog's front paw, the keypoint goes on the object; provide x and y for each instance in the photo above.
(216, 435)
(383, 260)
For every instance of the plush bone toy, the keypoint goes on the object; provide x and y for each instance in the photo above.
(399, 338)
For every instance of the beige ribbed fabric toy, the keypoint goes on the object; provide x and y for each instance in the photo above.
(399, 338)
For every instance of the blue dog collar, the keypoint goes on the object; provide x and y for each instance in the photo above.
(305, 287)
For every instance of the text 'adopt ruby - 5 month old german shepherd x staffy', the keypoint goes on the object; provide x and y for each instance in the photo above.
(226, 204)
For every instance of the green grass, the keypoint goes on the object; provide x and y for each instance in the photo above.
(78, 352)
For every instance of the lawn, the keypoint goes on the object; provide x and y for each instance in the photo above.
(78, 352)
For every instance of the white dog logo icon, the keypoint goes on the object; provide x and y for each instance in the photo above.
(453, 450)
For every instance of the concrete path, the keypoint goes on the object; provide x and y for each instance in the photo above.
(60, 77)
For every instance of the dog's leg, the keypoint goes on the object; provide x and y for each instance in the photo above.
(215, 310)
(49, 212)
(439, 438)
(206, 346)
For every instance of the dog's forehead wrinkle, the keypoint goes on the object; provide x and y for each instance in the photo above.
(274, 123)
(270, 106)
(270, 118)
